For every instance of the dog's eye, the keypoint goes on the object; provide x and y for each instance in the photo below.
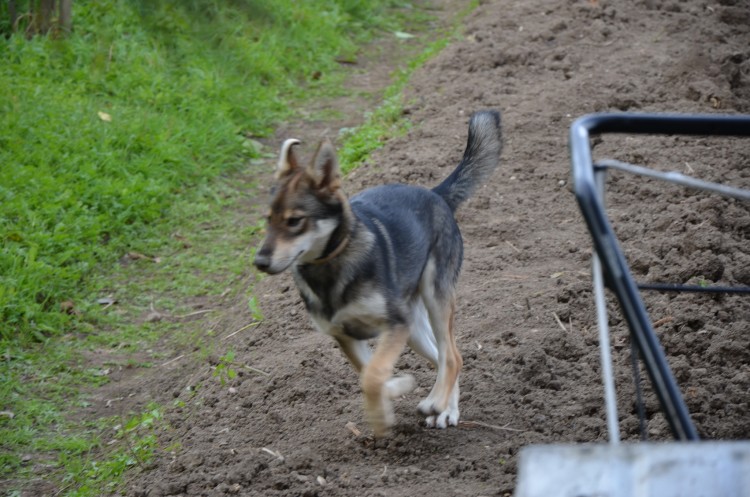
(293, 222)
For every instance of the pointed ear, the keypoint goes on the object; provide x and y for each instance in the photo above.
(287, 159)
(324, 168)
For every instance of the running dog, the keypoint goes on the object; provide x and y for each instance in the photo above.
(383, 264)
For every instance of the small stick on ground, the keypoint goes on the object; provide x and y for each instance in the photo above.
(353, 428)
(513, 246)
(557, 318)
(485, 425)
(173, 360)
(254, 323)
(274, 453)
(256, 370)
(662, 321)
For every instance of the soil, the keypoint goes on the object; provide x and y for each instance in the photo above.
(294, 426)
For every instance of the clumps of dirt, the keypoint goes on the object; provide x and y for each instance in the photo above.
(526, 325)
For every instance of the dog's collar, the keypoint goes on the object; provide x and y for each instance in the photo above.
(345, 226)
(335, 253)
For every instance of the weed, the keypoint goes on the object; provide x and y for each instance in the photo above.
(385, 122)
(136, 440)
(255, 312)
(224, 370)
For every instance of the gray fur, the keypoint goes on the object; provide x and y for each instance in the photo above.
(480, 159)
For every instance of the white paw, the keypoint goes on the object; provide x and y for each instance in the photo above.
(400, 385)
(437, 418)
(447, 418)
(429, 406)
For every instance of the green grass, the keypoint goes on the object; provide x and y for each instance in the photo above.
(116, 140)
(206, 255)
(144, 103)
(136, 440)
(121, 154)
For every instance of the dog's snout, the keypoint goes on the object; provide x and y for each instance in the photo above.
(262, 261)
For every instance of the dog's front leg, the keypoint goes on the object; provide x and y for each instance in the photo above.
(357, 351)
(359, 354)
(375, 376)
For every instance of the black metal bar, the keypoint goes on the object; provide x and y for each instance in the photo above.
(605, 243)
(668, 287)
(638, 391)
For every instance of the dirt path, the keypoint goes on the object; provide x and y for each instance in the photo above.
(525, 320)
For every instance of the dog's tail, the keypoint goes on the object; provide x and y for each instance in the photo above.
(481, 157)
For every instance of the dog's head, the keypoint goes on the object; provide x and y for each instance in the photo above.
(306, 207)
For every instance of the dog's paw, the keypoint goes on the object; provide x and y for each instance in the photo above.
(430, 407)
(400, 385)
(440, 416)
(381, 421)
(447, 418)
(379, 412)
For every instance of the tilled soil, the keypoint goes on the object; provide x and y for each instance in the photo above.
(525, 322)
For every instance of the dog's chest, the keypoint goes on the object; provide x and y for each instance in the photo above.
(343, 310)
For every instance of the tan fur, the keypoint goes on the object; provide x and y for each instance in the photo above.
(376, 374)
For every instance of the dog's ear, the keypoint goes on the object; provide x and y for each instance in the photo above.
(287, 159)
(324, 168)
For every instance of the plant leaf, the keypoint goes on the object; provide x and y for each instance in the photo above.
(403, 36)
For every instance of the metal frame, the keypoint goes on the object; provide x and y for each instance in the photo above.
(610, 266)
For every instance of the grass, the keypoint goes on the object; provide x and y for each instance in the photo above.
(122, 148)
(113, 144)
(145, 102)
(137, 439)
(207, 258)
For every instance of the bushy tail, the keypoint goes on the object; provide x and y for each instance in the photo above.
(481, 157)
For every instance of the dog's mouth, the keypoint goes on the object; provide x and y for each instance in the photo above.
(267, 265)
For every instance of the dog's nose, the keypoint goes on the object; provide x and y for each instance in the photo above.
(262, 262)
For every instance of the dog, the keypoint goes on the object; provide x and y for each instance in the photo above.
(383, 264)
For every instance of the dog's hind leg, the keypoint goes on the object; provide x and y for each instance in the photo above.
(376, 376)
(441, 405)
(422, 341)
